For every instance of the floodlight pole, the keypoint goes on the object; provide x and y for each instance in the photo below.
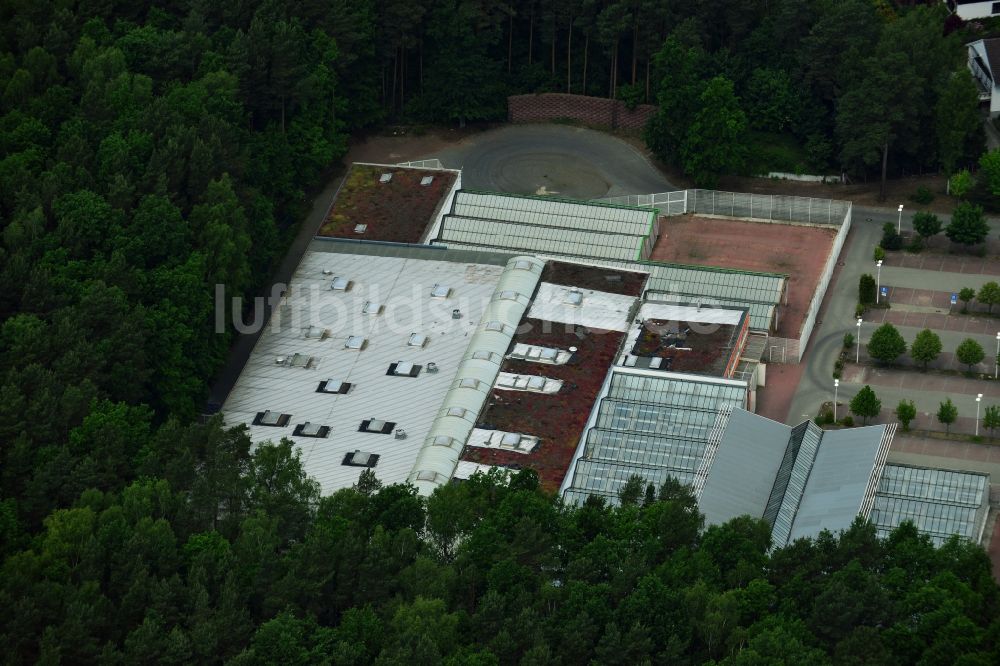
(878, 280)
(836, 385)
(979, 399)
(996, 359)
(857, 353)
(899, 222)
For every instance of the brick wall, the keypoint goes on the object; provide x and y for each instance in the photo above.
(590, 110)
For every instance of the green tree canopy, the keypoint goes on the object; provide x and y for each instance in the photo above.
(967, 226)
(865, 404)
(989, 294)
(716, 140)
(886, 344)
(969, 352)
(947, 413)
(926, 224)
(866, 289)
(926, 347)
(906, 411)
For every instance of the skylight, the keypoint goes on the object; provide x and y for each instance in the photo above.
(440, 291)
(371, 308)
(355, 342)
(385, 178)
(426, 180)
(360, 228)
(416, 340)
(340, 284)
(469, 383)
(573, 298)
(360, 459)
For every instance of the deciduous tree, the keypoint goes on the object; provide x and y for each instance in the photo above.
(906, 411)
(886, 344)
(967, 226)
(865, 404)
(969, 352)
(926, 347)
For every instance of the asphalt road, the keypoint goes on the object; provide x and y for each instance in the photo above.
(553, 159)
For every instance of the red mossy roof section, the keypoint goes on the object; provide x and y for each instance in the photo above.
(611, 280)
(398, 211)
(698, 351)
(558, 420)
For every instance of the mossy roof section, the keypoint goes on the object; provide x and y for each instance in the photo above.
(399, 210)
(559, 419)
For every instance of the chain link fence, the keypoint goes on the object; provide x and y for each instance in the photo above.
(776, 207)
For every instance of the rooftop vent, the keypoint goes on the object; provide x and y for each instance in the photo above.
(333, 386)
(385, 178)
(308, 429)
(432, 367)
(426, 180)
(376, 426)
(456, 314)
(573, 298)
(416, 340)
(440, 291)
(271, 418)
(399, 434)
(372, 308)
(356, 342)
(403, 369)
(316, 333)
(327, 271)
(360, 459)
(340, 284)
(360, 228)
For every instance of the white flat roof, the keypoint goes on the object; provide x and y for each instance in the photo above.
(705, 314)
(597, 309)
(403, 287)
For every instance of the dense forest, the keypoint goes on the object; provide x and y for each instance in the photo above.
(151, 151)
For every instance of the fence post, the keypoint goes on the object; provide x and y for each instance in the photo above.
(713, 202)
(732, 204)
(810, 210)
(829, 210)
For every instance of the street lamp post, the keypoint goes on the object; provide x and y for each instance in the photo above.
(878, 280)
(836, 385)
(857, 352)
(979, 399)
(899, 222)
(996, 359)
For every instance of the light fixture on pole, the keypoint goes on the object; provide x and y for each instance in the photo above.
(836, 385)
(899, 222)
(878, 280)
(857, 352)
(996, 359)
(979, 399)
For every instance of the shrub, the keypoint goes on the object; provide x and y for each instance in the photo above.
(847, 421)
(878, 254)
(960, 184)
(890, 239)
(967, 226)
(866, 289)
(926, 224)
(859, 310)
(848, 340)
(916, 245)
(922, 196)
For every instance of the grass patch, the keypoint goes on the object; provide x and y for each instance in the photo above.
(770, 151)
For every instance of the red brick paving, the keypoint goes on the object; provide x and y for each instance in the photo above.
(775, 398)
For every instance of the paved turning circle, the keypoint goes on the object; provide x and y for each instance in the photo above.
(556, 160)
